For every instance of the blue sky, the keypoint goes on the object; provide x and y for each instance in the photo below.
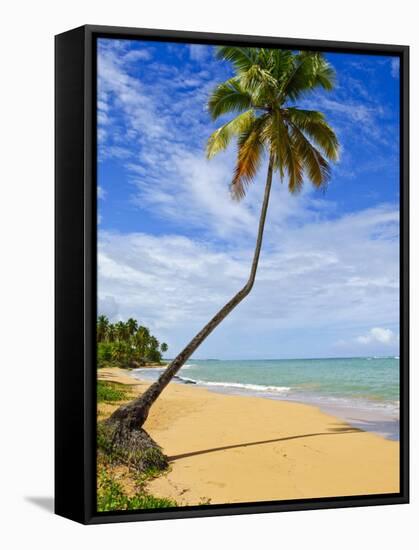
(173, 247)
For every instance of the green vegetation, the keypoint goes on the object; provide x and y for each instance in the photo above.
(126, 345)
(135, 466)
(111, 496)
(110, 391)
(125, 460)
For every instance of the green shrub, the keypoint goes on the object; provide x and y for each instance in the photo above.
(104, 353)
(111, 496)
(109, 391)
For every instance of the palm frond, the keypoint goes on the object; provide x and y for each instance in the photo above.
(325, 77)
(285, 156)
(311, 70)
(219, 140)
(242, 58)
(228, 97)
(274, 135)
(315, 165)
(313, 124)
(294, 166)
(281, 63)
(256, 76)
(250, 149)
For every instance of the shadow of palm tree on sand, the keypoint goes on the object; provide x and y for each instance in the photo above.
(340, 429)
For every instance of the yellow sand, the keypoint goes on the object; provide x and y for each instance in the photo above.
(226, 449)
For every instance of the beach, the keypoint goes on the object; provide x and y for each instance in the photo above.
(234, 448)
(364, 391)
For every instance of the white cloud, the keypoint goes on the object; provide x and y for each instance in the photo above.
(395, 67)
(183, 175)
(311, 277)
(116, 88)
(377, 334)
(199, 52)
(137, 55)
(169, 169)
(356, 111)
(101, 193)
(359, 114)
(107, 305)
(354, 114)
(194, 193)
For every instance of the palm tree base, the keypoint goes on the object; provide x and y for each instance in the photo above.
(123, 443)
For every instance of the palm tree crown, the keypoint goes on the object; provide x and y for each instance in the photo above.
(264, 91)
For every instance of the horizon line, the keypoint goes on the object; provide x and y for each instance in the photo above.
(391, 356)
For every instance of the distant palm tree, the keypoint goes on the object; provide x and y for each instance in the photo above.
(102, 328)
(119, 351)
(142, 337)
(121, 331)
(132, 326)
(111, 333)
(262, 94)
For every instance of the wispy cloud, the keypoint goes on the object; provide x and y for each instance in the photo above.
(199, 52)
(137, 55)
(101, 193)
(395, 67)
(163, 143)
(363, 120)
(314, 276)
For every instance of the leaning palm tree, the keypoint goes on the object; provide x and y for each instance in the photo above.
(262, 95)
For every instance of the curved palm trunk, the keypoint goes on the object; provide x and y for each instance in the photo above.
(134, 414)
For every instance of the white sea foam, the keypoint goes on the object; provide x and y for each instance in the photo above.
(250, 387)
(148, 369)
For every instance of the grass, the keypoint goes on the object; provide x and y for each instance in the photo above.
(110, 391)
(111, 496)
(120, 468)
(122, 474)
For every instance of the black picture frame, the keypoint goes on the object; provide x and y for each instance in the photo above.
(75, 274)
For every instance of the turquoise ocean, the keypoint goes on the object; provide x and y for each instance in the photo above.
(363, 391)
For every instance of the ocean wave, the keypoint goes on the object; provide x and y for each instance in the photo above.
(237, 385)
(162, 368)
(351, 403)
(149, 369)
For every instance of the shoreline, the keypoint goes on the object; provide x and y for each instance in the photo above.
(360, 414)
(225, 448)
